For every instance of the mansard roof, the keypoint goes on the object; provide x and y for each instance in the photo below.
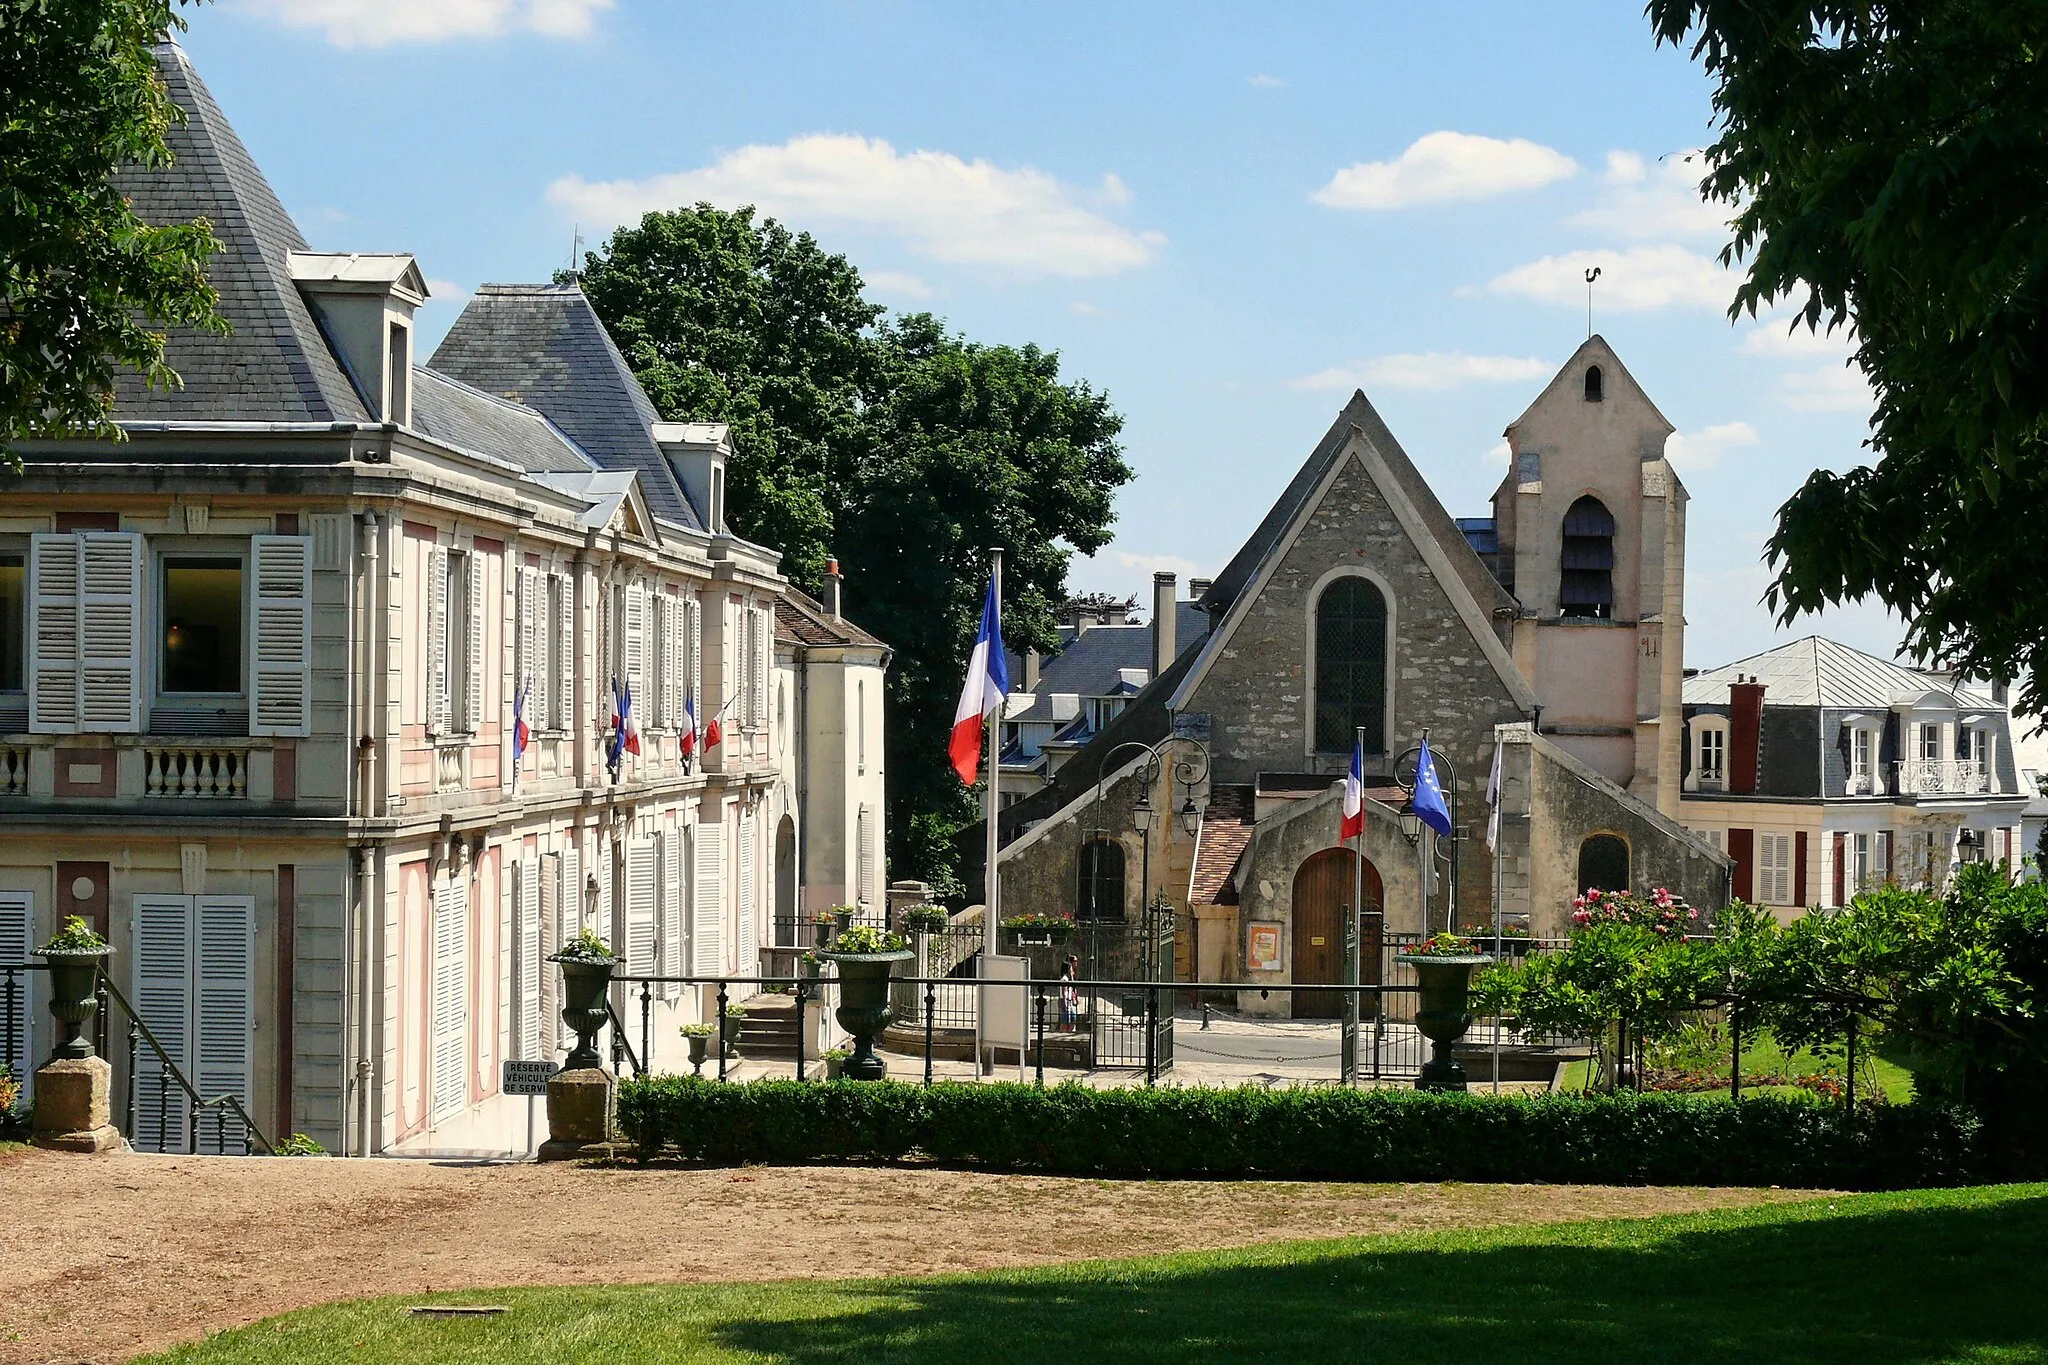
(543, 345)
(275, 366)
(469, 419)
(1819, 672)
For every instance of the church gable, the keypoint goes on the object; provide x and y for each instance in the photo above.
(1401, 645)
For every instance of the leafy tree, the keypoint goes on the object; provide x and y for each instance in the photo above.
(85, 286)
(898, 446)
(1887, 164)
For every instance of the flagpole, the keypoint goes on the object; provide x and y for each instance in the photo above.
(1356, 934)
(992, 884)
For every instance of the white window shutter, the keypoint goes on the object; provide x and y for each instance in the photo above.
(565, 672)
(668, 898)
(110, 631)
(749, 944)
(53, 634)
(473, 695)
(550, 930)
(696, 628)
(437, 639)
(530, 973)
(163, 1000)
(281, 629)
(640, 926)
(864, 862)
(568, 922)
(707, 909)
(18, 1011)
(450, 1045)
(522, 637)
(226, 1013)
(636, 646)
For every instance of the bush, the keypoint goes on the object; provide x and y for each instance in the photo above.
(1372, 1135)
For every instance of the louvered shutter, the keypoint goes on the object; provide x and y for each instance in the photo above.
(540, 681)
(163, 998)
(565, 657)
(18, 1004)
(636, 646)
(568, 922)
(749, 944)
(696, 656)
(864, 862)
(550, 943)
(764, 659)
(53, 634)
(450, 997)
(530, 974)
(437, 639)
(679, 652)
(281, 627)
(668, 903)
(473, 695)
(226, 1013)
(110, 631)
(640, 925)
(662, 683)
(522, 640)
(707, 908)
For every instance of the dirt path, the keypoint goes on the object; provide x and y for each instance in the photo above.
(192, 1245)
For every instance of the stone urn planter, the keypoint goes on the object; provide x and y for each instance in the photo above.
(864, 1006)
(700, 1051)
(584, 983)
(74, 996)
(1443, 1011)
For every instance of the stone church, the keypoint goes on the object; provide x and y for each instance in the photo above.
(1552, 629)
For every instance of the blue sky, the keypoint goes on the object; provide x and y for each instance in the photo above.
(1226, 216)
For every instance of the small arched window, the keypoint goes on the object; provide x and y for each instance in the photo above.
(1586, 561)
(1102, 881)
(1351, 666)
(1594, 389)
(1603, 863)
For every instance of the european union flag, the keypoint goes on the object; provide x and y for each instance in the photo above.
(1429, 794)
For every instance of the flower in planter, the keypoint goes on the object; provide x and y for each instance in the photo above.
(1662, 913)
(1443, 945)
(76, 936)
(837, 1054)
(585, 947)
(1040, 926)
(735, 1011)
(925, 918)
(866, 938)
(697, 1030)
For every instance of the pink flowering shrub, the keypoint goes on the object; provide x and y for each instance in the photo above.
(1663, 913)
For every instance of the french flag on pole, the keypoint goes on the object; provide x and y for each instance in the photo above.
(988, 682)
(687, 743)
(1354, 796)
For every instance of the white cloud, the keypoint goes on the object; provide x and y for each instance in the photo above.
(1639, 278)
(1831, 388)
(1779, 337)
(1151, 564)
(1114, 190)
(1499, 455)
(1425, 370)
(1641, 200)
(1081, 308)
(446, 291)
(379, 23)
(1444, 167)
(897, 284)
(1023, 221)
(1264, 82)
(1691, 451)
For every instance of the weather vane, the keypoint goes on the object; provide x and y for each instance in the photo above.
(1591, 275)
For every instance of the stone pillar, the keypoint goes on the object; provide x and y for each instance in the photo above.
(582, 1115)
(74, 1106)
(903, 894)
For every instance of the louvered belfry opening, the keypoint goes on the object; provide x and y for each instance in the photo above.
(1351, 666)
(1586, 561)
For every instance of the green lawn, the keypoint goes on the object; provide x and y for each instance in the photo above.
(1871, 1279)
(1879, 1063)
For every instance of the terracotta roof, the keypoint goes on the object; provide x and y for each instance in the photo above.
(803, 619)
(1226, 830)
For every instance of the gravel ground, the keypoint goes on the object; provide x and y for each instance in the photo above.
(106, 1257)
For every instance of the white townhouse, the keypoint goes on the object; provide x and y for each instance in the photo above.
(1823, 771)
(260, 664)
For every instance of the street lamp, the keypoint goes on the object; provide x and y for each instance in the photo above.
(1411, 825)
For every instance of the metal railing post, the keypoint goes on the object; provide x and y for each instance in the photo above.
(1735, 1064)
(618, 1048)
(802, 996)
(1041, 1033)
(134, 1055)
(1151, 1036)
(931, 1005)
(721, 1028)
(646, 1027)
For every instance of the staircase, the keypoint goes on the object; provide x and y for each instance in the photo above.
(769, 1034)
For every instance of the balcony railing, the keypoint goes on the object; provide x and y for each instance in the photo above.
(13, 770)
(203, 772)
(1942, 777)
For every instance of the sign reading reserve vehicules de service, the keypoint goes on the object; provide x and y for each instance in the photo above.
(527, 1078)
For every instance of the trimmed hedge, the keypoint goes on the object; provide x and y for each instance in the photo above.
(1312, 1134)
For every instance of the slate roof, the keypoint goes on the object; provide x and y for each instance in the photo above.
(1088, 665)
(543, 345)
(275, 366)
(803, 619)
(452, 412)
(1226, 833)
(1820, 672)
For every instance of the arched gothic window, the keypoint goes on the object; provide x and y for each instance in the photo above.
(1603, 863)
(1102, 881)
(1351, 666)
(1586, 561)
(1594, 388)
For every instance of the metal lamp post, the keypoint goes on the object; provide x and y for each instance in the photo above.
(1412, 827)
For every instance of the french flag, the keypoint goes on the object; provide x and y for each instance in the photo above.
(988, 682)
(1354, 796)
(522, 734)
(688, 743)
(629, 729)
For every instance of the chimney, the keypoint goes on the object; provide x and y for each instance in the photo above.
(1198, 588)
(1031, 662)
(1745, 732)
(832, 588)
(1164, 617)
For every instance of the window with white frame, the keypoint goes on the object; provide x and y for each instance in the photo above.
(1710, 754)
(1774, 868)
(1869, 859)
(13, 622)
(1862, 760)
(1930, 740)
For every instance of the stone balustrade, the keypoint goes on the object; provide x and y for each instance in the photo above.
(198, 771)
(13, 770)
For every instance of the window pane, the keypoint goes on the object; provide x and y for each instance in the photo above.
(202, 625)
(1351, 667)
(13, 620)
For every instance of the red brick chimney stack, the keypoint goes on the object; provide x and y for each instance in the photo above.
(1745, 732)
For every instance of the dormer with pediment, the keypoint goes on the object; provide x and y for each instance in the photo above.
(1590, 531)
